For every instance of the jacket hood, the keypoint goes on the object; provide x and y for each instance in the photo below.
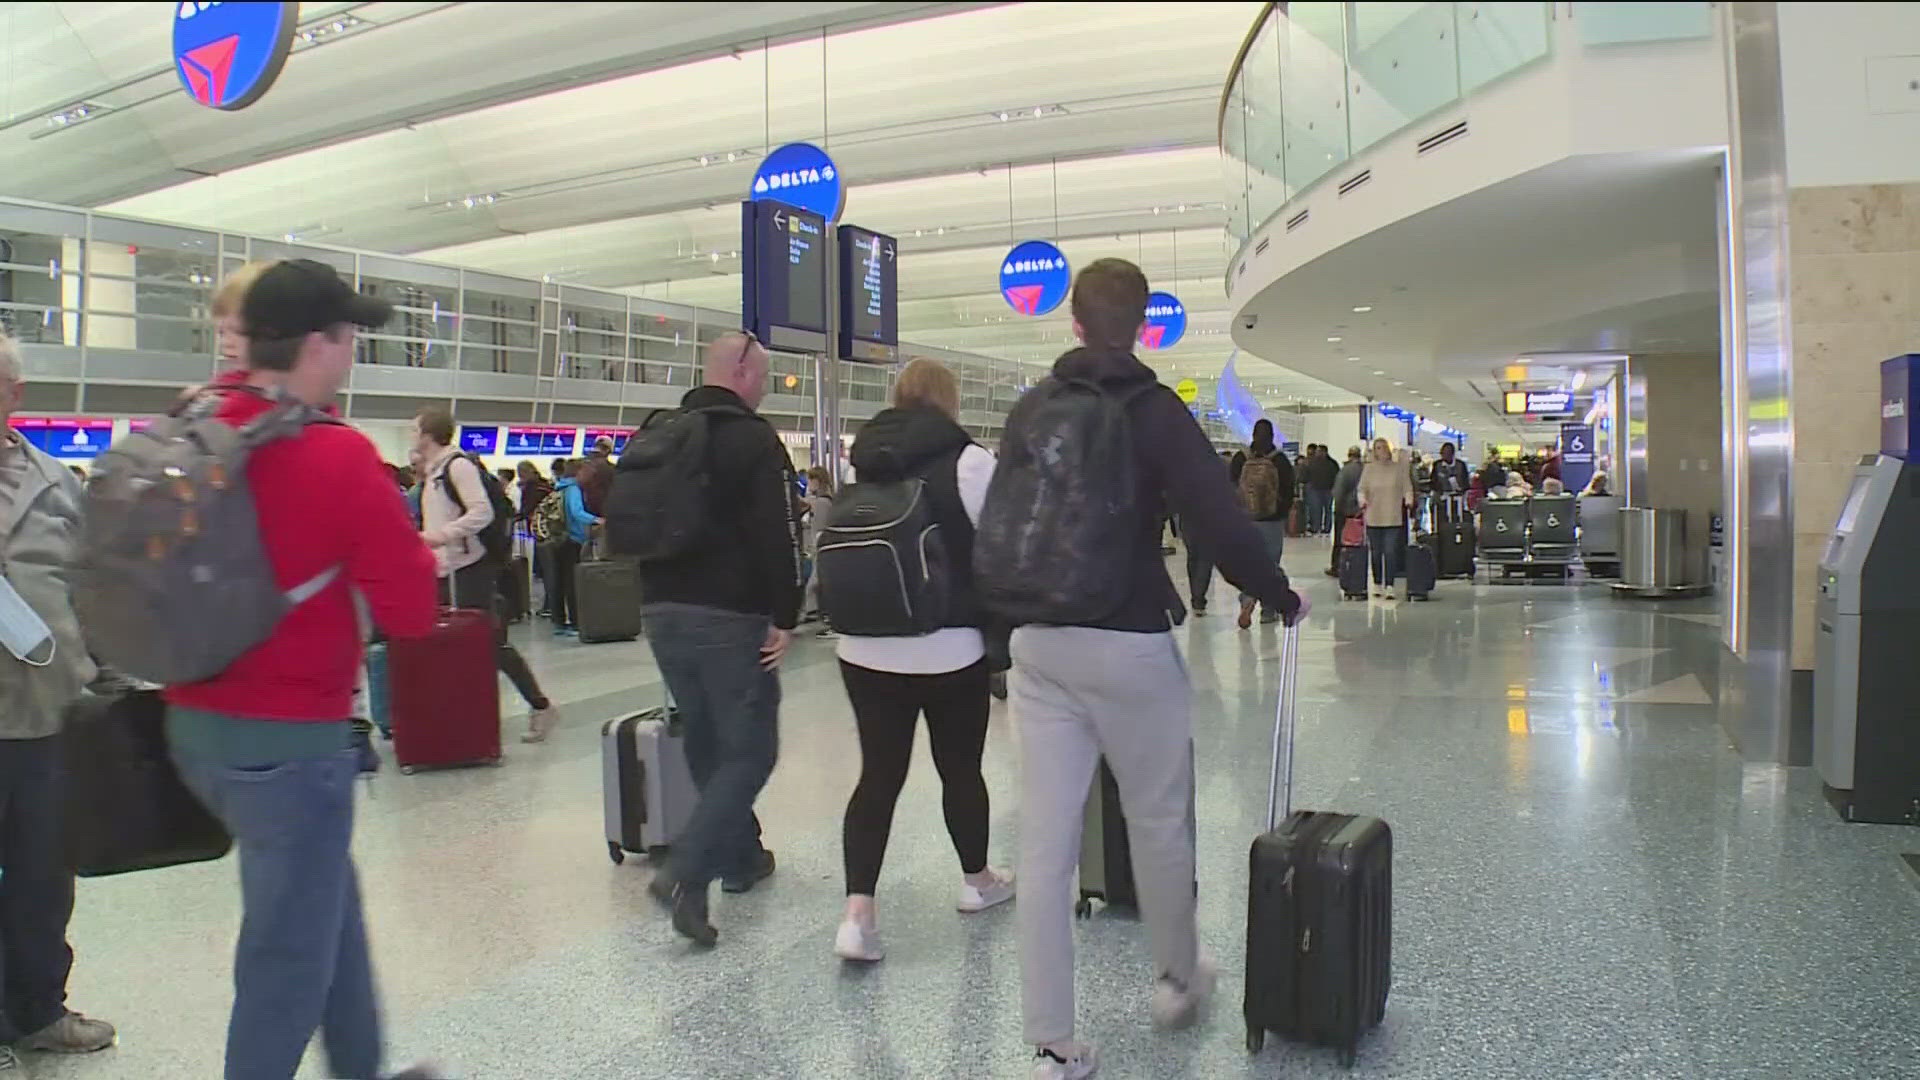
(897, 442)
(1102, 365)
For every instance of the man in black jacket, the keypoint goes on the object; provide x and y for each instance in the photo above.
(719, 620)
(1117, 688)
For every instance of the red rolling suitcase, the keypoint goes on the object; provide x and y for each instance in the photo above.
(1319, 910)
(443, 695)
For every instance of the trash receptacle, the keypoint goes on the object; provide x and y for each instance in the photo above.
(1653, 548)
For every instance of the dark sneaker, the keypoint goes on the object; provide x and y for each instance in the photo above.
(746, 882)
(689, 910)
(71, 1034)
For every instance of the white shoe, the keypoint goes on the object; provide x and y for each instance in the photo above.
(972, 900)
(858, 942)
(1078, 1063)
(1176, 1006)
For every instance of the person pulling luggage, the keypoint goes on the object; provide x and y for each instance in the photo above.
(1067, 549)
(904, 656)
(466, 520)
(703, 499)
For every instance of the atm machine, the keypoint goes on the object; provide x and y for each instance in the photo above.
(1866, 705)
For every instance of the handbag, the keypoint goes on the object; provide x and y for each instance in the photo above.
(125, 807)
(1354, 532)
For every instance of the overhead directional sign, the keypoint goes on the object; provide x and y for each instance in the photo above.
(1166, 321)
(1521, 402)
(869, 295)
(784, 275)
(801, 174)
(228, 54)
(541, 439)
(1034, 277)
(66, 436)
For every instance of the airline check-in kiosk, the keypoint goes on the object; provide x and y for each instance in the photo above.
(1866, 705)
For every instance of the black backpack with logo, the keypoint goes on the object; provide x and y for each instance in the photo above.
(660, 503)
(1056, 539)
(497, 537)
(882, 561)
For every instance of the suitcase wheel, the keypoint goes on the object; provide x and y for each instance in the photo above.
(1256, 1038)
(613, 852)
(406, 770)
(1083, 908)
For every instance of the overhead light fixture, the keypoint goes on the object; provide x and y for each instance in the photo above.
(1035, 112)
(1362, 309)
(1334, 340)
(325, 30)
(77, 113)
(1580, 379)
(469, 202)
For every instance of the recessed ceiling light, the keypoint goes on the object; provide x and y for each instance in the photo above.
(1382, 374)
(1335, 340)
(1353, 359)
(1362, 309)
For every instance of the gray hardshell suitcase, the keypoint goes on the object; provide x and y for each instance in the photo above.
(649, 789)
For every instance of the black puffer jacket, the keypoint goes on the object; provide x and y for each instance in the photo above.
(926, 443)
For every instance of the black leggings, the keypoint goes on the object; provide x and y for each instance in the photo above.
(478, 586)
(886, 708)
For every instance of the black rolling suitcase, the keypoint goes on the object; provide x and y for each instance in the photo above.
(516, 590)
(1106, 855)
(1319, 910)
(1453, 537)
(607, 596)
(1422, 571)
(1353, 573)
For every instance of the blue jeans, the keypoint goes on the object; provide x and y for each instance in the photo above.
(1319, 510)
(730, 711)
(1274, 535)
(1384, 552)
(301, 962)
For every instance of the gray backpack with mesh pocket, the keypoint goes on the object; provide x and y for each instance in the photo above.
(173, 584)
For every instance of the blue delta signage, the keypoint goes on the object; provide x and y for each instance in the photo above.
(1034, 277)
(228, 54)
(1166, 321)
(802, 175)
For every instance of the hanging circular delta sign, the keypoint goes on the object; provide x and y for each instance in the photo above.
(801, 174)
(1034, 277)
(228, 54)
(1166, 321)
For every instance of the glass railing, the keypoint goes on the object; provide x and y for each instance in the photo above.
(1317, 83)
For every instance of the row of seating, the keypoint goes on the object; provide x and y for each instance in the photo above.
(1550, 531)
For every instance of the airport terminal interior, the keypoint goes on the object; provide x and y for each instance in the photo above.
(1635, 707)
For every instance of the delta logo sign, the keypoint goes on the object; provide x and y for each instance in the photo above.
(1166, 321)
(802, 175)
(1034, 277)
(229, 54)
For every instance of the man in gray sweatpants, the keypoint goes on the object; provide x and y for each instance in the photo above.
(1117, 688)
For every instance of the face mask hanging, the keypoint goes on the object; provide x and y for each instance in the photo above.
(22, 632)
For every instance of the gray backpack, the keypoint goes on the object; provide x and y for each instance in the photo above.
(173, 583)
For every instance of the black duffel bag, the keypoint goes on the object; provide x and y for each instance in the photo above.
(125, 806)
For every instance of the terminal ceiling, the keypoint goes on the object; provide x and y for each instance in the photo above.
(598, 179)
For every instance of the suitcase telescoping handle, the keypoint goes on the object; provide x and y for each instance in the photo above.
(1280, 786)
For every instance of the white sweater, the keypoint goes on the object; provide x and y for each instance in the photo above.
(453, 535)
(949, 648)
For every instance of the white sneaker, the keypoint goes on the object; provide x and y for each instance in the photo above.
(1078, 1063)
(858, 942)
(1176, 1006)
(972, 900)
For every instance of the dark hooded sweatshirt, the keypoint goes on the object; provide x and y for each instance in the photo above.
(1179, 472)
(926, 443)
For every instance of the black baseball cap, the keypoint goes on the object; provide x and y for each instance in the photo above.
(296, 297)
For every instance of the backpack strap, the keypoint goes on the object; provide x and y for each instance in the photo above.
(312, 587)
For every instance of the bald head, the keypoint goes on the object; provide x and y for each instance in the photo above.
(739, 363)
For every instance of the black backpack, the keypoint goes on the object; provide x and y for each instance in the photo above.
(659, 505)
(1057, 537)
(497, 537)
(882, 562)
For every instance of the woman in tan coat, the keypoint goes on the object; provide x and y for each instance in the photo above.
(1386, 494)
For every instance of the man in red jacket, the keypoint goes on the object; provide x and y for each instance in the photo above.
(267, 743)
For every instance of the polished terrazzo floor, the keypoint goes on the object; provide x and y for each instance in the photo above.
(1589, 883)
